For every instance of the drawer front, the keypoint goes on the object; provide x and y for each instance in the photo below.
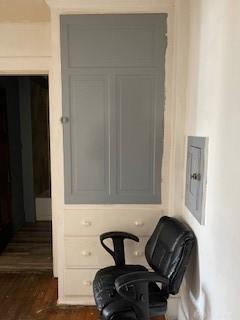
(79, 282)
(94, 222)
(88, 252)
(135, 252)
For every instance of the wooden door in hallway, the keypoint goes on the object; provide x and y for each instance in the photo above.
(5, 187)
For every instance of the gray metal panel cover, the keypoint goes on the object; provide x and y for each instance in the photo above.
(195, 176)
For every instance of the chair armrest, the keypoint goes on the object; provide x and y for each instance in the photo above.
(118, 234)
(133, 278)
(118, 244)
(134, 287)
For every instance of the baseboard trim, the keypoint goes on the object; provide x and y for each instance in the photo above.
(43, 209)
(181, 312)
(173, 306)
(81, 301)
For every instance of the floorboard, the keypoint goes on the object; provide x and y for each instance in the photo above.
(34, 297)
(29, 250)
(28, 290)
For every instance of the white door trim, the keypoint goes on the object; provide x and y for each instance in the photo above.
(20, 66)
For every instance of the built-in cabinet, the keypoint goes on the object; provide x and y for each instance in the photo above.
(83, 252)
(113, 91)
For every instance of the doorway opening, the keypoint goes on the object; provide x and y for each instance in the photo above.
(25, 177)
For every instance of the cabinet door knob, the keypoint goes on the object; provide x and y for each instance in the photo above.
(87, 283)
(86, 253)
(64, 120)
(86, 223)
(138, 223)
(138, 253)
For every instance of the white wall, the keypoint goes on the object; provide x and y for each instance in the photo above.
(25, 39)
(213, 109)
(24, 11)
(25, 47)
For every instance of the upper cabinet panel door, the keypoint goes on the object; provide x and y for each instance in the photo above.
(113, 73)
(139, 138)
(113, 40)
(87, 139)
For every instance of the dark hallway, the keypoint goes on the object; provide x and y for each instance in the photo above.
(25, 184)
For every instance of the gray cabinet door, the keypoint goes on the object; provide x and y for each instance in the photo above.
(113, 95)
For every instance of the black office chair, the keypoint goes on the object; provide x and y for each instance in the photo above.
(130, 292)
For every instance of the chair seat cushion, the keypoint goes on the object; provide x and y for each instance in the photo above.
(105, 292)
(103, 284)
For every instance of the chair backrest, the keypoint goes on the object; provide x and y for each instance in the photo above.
(168, 250)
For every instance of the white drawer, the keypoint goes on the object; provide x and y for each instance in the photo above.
(90, 222)
(79, 282)
(88, 252)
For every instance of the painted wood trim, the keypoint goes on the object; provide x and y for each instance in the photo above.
(153, 207)
(181, 312)
(56, 147)
(84, 301)
(24, 65)
(109, 6)
(35, 66)
(58, 206)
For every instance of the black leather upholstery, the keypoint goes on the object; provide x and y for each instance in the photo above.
(103, 286)
(168, 250)
(130, 291)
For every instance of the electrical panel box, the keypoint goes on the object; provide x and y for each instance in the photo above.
(196, 176)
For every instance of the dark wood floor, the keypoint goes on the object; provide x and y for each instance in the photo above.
(33, 297)
(28, 290)
(29, 250)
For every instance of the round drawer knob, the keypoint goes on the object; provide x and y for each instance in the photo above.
(86, 223)
(87, 283)
(138, 223)
(86, 253)
(138, 253)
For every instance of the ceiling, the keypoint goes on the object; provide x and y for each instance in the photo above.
(24, 11)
